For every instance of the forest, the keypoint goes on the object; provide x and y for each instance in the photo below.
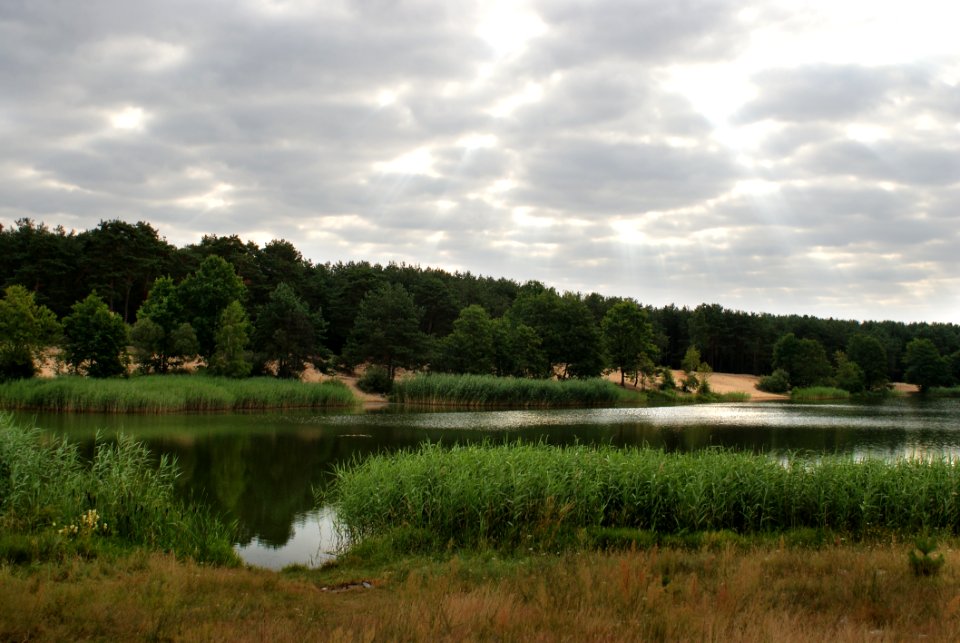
(119, 295)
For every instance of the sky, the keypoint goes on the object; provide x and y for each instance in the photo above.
(781, 157)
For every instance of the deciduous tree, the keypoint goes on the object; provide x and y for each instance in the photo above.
(95, 339)
(26, 328)
(628, 337)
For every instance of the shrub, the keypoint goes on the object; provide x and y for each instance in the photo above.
(376, 380)
(777, 382)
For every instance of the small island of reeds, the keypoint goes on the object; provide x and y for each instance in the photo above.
(170, 394)
(480, 391)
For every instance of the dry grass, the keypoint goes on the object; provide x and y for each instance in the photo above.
(845, 593)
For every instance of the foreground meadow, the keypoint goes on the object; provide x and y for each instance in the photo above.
(763, 592)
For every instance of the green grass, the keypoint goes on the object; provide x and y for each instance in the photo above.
(169, 393)
(53, 503)
(817, 393)
(514, 494)
(491, 391)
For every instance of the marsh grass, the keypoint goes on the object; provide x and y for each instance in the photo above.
(512, 495)
(169, 393)
(52, 502)
(490, 391)
(818, 393)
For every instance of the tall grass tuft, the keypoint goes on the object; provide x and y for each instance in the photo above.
(123, 495)
(490, 391)
(504, 495)
(169, 393)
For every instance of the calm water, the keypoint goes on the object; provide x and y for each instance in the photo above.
(261, 469)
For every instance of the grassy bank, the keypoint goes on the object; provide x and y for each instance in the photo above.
(757, 593)
(491, 391)
(54, 505)
(505, 496)
(169, 393)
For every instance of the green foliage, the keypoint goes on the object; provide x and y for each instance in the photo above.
(231, 358)
(510, 494)
(386, 330)
(170, 393)
(204, 295)
(569, 337)
(924, 365)
(160, 338)
(803, 359)
(26, 328)
(492, 391)
(628, 338)
(667, 382)
(517, 350)
(868, 353)
(691, 360)
(95, 339)
(288, 333)
(849, 376)
(921, 558)
(122, 495)
(470, 347)
(776, 382)
(375, 379)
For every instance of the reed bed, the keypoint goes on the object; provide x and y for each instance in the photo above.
(169, 393)
(505, 495)
(52, 500)
(490, 391)
(818, 393)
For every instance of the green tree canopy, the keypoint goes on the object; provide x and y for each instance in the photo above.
(516, 350)
(161, 339)
(288, 333)
(95, 339)
(26, 328)
(868, 353)
(469, 348)
(805, 360)
(628, 337)
(925, 367)
(230, 358)
(204, 295)
(386, 330)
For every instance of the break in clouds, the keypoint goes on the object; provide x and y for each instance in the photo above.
(769, 157)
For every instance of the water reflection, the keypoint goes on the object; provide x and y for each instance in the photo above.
(262, 469)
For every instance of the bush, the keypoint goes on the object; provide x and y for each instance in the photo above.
(375, 380)
(778, 382)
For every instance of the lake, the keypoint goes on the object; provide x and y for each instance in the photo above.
(261, 469)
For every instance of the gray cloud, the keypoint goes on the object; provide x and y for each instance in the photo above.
(281, 121)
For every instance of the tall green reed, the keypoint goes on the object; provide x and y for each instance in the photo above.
(169, 393)
(47, 488)
(504, 494)
(439, 389)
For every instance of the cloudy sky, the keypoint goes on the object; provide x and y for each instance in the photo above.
(767, 156)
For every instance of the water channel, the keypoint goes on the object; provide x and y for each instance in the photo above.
(261, 469)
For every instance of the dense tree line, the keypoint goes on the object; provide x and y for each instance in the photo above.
(240, 307)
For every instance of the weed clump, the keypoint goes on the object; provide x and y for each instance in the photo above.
(922, 560)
